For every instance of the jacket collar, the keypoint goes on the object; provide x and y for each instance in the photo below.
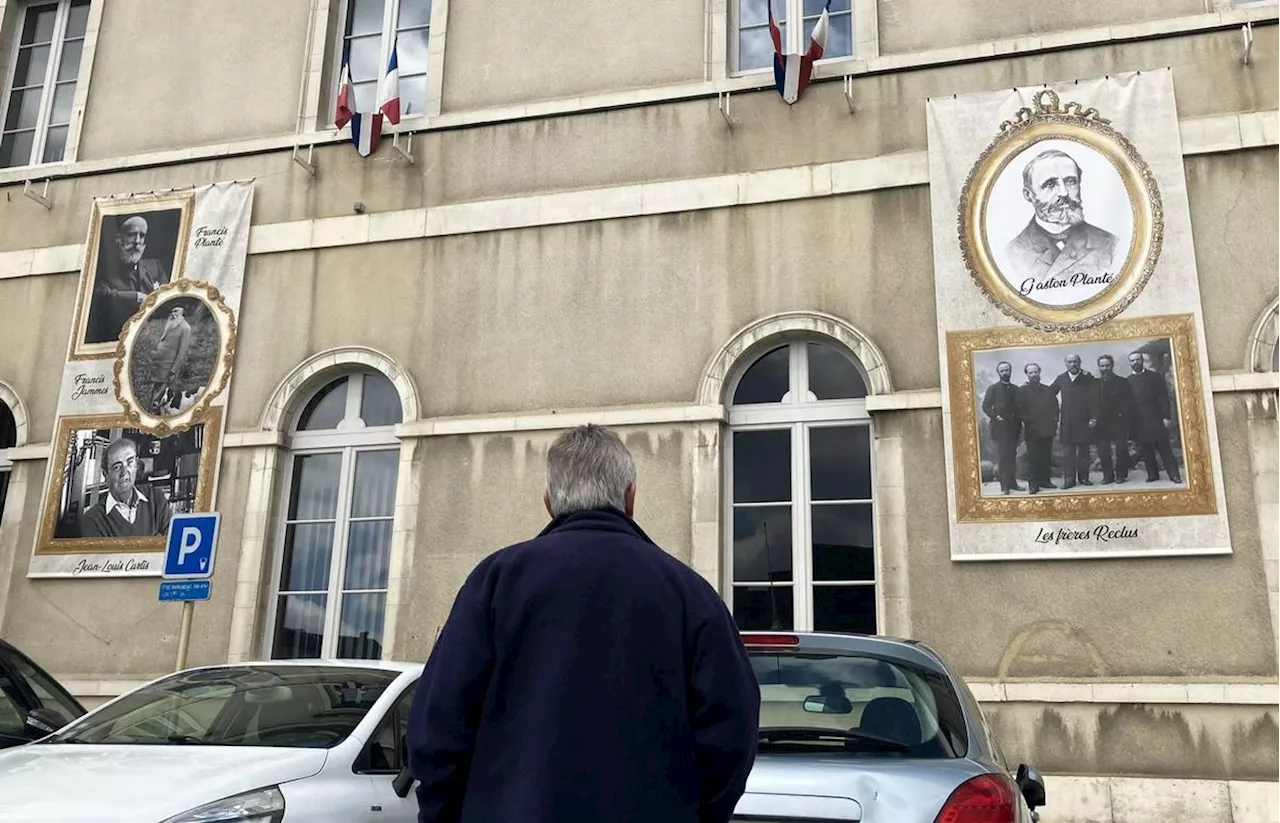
(607, 519)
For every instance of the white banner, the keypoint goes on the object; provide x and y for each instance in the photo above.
(145, 386)
(1076, 396)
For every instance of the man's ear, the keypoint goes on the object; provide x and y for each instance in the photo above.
(546, 501)
(629, 498)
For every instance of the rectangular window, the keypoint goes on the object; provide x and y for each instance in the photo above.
(372, 26)
(753, 47)
(41, 84)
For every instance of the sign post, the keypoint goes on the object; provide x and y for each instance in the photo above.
(188, 566)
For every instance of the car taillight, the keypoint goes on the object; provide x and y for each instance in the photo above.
(770, 640)
(987, 798)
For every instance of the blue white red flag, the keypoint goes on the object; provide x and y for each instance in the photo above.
(791, 72)
(389, 89)
(365, 128)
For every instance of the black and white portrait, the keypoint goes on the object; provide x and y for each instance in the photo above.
(135, 256)
(173, 356)
(120, 483)
(1059, 223)
(1078, 418)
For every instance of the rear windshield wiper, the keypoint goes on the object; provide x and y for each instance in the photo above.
(802, 734)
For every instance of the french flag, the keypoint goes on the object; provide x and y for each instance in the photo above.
(365, 128)
(389, 89)
(791, 72)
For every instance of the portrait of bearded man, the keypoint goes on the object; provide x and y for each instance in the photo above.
(124, 278)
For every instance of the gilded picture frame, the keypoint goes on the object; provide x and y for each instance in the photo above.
(169, 214)
(1100, 269)
(1193, 495)
(196, 365)
(55, 516)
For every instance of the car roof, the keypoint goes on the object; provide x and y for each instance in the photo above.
(397, 666)
(908, 651)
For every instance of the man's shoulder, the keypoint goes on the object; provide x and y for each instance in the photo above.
(1098, 236)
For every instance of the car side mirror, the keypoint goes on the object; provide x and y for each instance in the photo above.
(1032, 786)
(43, 721)
(404, 778)
(819, 704)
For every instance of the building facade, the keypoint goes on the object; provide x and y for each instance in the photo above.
(605, 212)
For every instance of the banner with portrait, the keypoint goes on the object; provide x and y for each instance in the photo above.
(1077, 405)
(145, 385)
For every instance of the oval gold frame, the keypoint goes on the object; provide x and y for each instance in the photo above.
(212, 300)
(1051, 121)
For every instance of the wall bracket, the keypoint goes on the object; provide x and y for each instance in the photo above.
(848, 93)
(309, 164)
(1246, 31)
(40, 197)
(724, 109)
(407, 151)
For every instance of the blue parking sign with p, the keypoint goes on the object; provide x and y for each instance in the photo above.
(188, 554)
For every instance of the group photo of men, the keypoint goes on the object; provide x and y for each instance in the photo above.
(1082, 417)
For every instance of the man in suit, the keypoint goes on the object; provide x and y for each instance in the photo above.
(1000, 405)
(1075, 389)
(1038, 408)
(1057, 242)
(126, 511)
(1152, 413)
(123, 281)
(169, 356)
(1113, 401)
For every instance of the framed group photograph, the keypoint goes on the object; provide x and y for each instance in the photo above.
(1106, 422)
(135, 246)
(174, 356)
(113, 488)
(1061, 222)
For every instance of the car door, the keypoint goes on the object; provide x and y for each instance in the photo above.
(382, 759)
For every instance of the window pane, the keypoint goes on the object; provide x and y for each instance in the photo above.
(844, 609)
(32, 64)
(299, 626)
(63, 97)
(812, 7)
(832, 376)
(8, 427)
(839, 35)
(315, 487)
(365, 54)
(762, 466)
(24, 108)
(756, 12)
(374, 490)
(55, 144)
(39, 24)
(763, 607)
(364, 17)
(379, 401)
(368, 554)
(326, 408)
(413, 95)
(15, 149)
(762, 544)
(366, 96)
(840, 463)
(308, 551)
(78, 20)
(360, 632)
(13, 716)
(69, 64)
(4, 490)
(755, 47)
(411, 51)
(49, 695)
(843, 542)
(414, 13)
(767, 380)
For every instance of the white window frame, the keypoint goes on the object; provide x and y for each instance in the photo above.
(348, 439)
(88, 46)
(724, 50)
(799, 415)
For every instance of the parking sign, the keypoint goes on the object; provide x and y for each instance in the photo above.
(188, 554)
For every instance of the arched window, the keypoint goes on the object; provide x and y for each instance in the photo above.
(8, 439)
(330, 593)
(801, 548)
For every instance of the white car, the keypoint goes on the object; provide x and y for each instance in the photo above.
(275, 742)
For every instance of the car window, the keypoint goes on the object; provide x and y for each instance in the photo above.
(13, 716)
(47, 692)
(278, 706)
(383, 753)
(888, 700)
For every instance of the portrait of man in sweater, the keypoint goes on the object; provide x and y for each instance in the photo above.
(125, 510)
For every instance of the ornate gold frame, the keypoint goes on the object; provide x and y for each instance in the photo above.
(211, 298)
(139, 204)
(46, 543)
(971, 507)
(1050, 120)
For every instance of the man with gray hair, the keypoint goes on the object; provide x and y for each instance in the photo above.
(585, 674)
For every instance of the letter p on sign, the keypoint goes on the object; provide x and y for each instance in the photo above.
(189, 551)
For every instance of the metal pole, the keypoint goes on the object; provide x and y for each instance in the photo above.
(184, 634)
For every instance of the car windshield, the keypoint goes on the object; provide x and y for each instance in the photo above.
(868, 705)
(278, 706)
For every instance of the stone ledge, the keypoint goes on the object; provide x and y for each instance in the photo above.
(1087, 799)
(1255, 693)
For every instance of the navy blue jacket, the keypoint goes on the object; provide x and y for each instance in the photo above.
(584, 675)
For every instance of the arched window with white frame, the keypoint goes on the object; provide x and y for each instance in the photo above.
(330, 588)
(800, 531)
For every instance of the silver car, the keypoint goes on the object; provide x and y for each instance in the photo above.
(875, 730)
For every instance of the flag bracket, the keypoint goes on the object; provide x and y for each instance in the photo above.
(1246, 31)
(407, 152)
(848, 94)
(724, 109)
(40, 197)
(309, 164)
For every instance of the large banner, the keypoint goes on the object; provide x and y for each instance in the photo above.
(144, 388)
(1076, 397)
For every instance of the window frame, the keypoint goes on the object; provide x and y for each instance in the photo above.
(793, 36)
(799, 416)
(347, 441)
(50, 82)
